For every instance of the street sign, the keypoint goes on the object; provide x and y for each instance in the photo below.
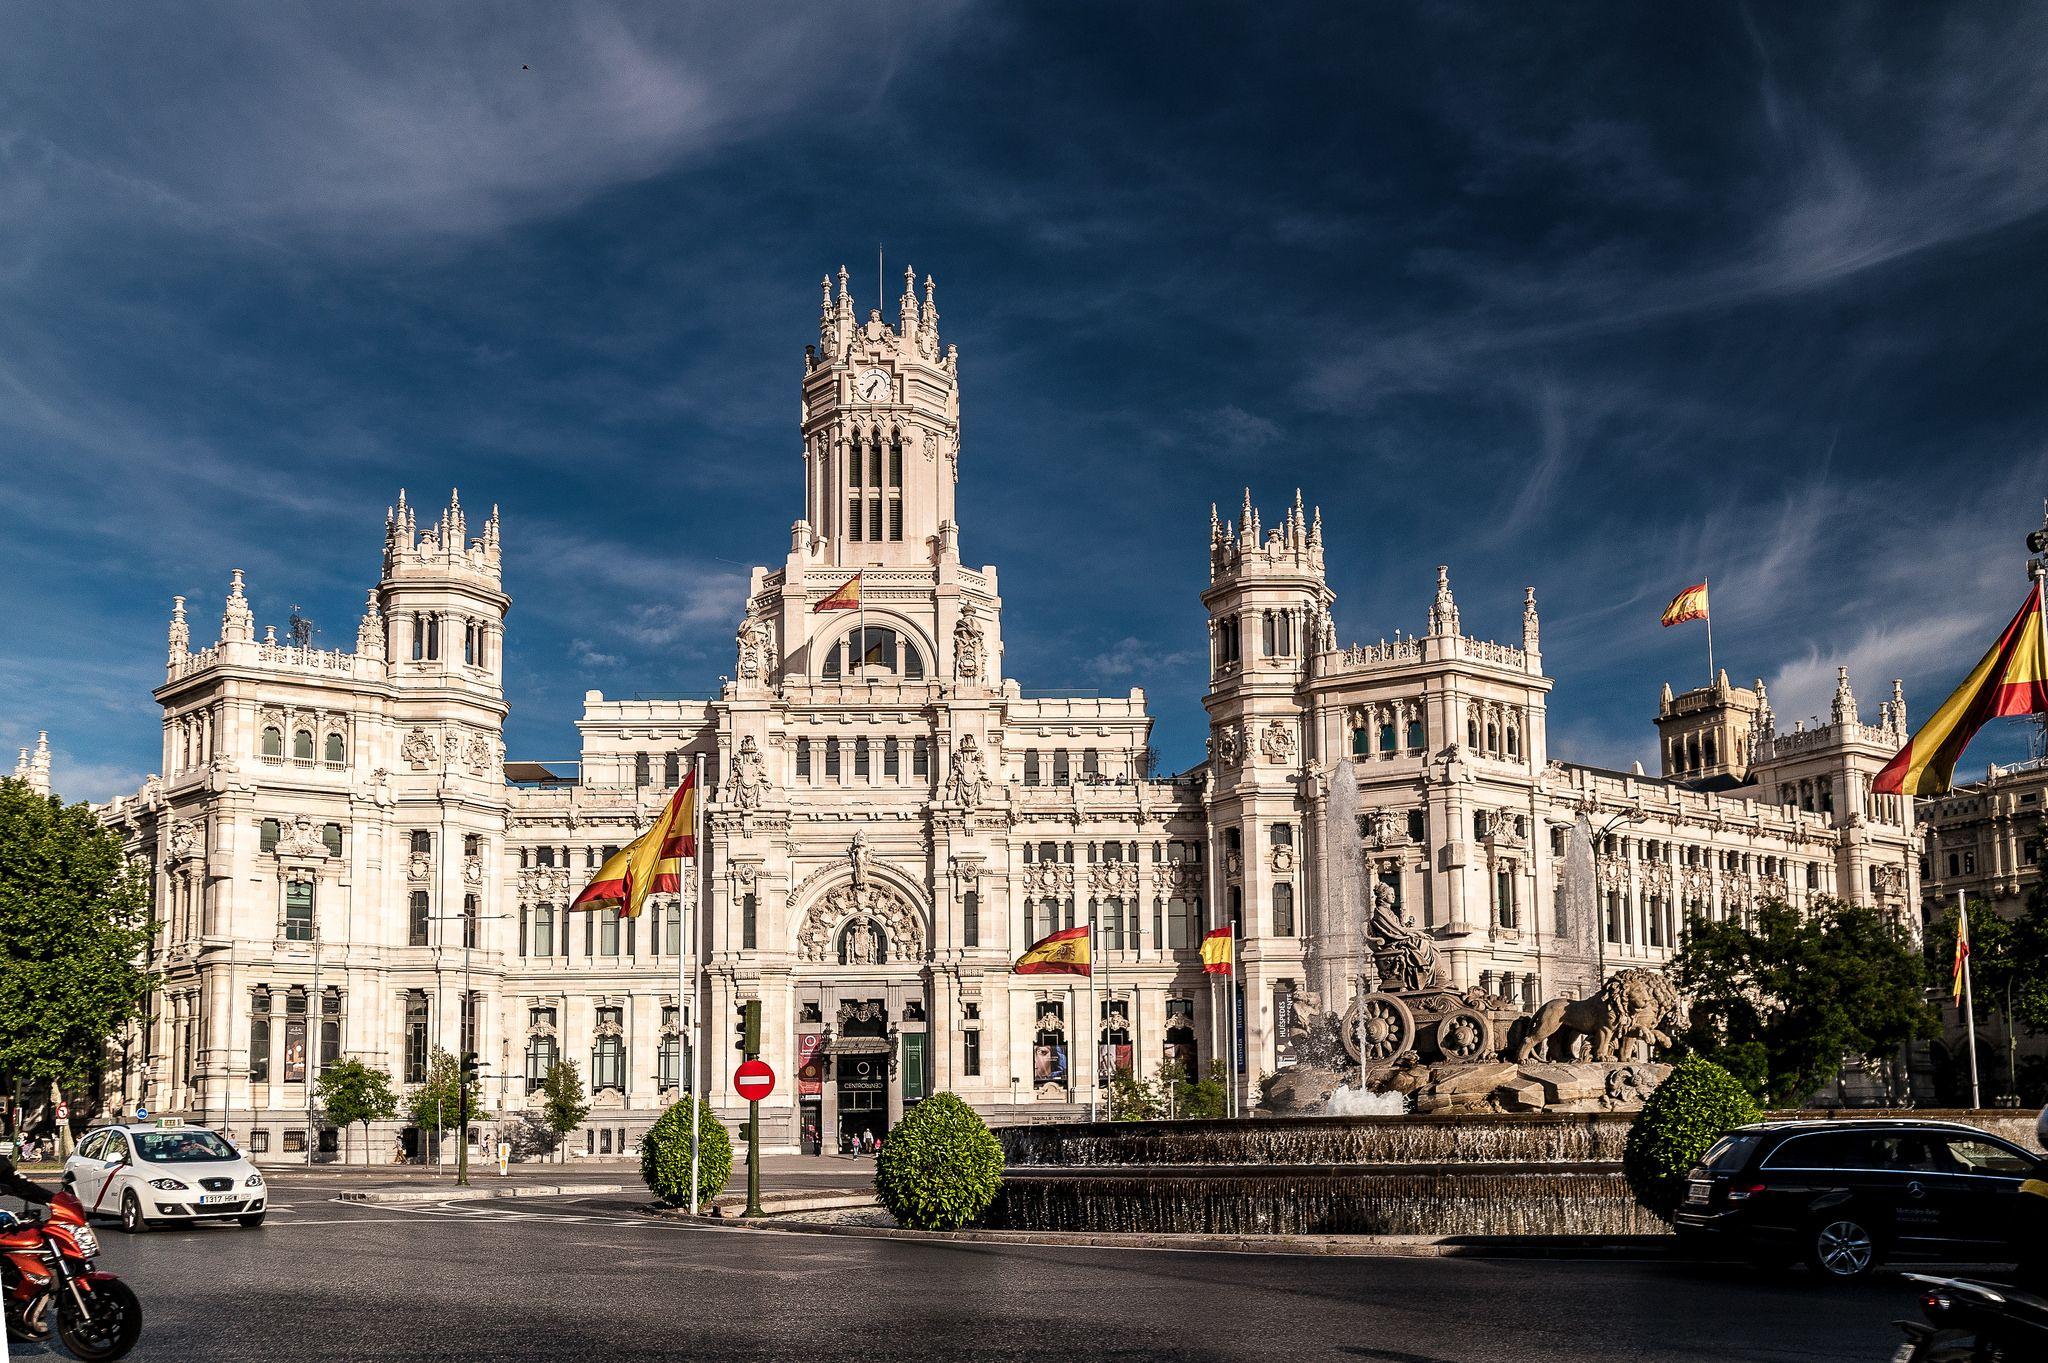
(754, 1080)
(141, 1113)
(64, 1109)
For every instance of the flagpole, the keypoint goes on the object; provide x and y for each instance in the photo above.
(1969, 1009)
(1230, 992)
(1710, 632)
(685, 956)
(1094, 1030)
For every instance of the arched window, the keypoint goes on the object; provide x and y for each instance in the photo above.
(1493, 738)
(1472, 732)
(302, 745)
(273, 741)
(335, 749)
(1415, 734)
(1361, 741)
(1514, 741)
(1283, 910)
(1387, 737)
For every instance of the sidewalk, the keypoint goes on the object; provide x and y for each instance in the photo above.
(784, 1179)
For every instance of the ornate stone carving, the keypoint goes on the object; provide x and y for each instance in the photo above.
(857, 859)
(1228, 746)
(756, 652)
(419, 866)
(186, 840)
(1283, 859)
(1635, 1012)
(301, 839)
(1406, 958)
(419, 750)
(968, 658)
(969, 782)
(1277, 741)
(900, 924)
(862, 942)
(473, 870)
(750, 783)
(476, 755)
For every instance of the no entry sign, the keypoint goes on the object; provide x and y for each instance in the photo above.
(754, 1080)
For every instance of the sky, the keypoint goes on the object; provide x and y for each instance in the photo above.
(1603, 299)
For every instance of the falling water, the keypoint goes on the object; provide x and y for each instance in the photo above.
(1343, 919)
(1581, 890)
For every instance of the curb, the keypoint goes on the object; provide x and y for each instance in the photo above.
(1352, 1246)
(397, 1195)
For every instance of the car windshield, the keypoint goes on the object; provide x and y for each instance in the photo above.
(181, 1147)
(1729, 1152)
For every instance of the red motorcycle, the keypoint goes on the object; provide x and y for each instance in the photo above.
(50, 1260)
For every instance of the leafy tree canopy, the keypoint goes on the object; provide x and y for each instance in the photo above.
(352, 1092)
(1782, 996)
(2008, 960)
(562, 1105)
(437, 1104)
(74, 921)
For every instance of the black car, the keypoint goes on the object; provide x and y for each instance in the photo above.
(1847, 1195)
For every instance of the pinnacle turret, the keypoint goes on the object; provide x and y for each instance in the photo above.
(237, 621)
(180, 637)
(1443, 612)
(1844, 711)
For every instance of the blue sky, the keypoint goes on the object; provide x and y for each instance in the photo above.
(1596, 298)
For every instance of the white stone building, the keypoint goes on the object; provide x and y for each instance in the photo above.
(345, 865)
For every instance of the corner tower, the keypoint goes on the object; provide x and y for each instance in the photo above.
(881, 429)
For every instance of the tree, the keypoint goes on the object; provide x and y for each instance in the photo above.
(941, 1167)
(351, 1092)
(665, 1154)
(562, 1106)
(74, 922)
(1132, 1099)
(2008, 965)
(1186, 1098)
(1781, 997)
(1696, 1104)
(437, 1104)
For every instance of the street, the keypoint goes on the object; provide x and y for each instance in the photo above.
(584, 1277)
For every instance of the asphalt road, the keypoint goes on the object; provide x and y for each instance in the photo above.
(577, 1278)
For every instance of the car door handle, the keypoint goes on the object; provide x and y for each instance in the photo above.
(1916, 1189)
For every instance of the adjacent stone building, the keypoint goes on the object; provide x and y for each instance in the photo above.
(345, 864)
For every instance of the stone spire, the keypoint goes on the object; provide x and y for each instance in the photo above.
(491, 530)
(825, 311)
(1899, 707)
(1845, 699)
(181, 633)
(370, 633)
(906, 305)
(21, 765)
(34, 767)
(454, 528)
(1532, 628)
(929, 319)
(1443, 612)
(1315, 530)
(237, 622)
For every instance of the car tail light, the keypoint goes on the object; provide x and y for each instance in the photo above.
(1737, 1192)
(1936, 1305)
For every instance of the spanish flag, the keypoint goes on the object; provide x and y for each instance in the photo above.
(1216, 950)
(2012, 679)
(652, 863)
(1962, 951)
(1063, 953)
(845, 598)
(1690, 604)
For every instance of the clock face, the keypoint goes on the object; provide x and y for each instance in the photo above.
(872, 386)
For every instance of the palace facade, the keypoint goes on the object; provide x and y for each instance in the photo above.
(346, 865)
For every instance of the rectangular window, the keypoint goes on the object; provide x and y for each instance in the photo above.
(921, 757)
(266, 835)
(1181, 919)
(892, 758)
(1091, 763)
(875, 519)
(416, 919)
(415, 1036)
(860, 757)
(469, 1032)
(544, 930)
(608, 1055)
(298, 911)
(748, 905)
(259, 1037)
(330, 838)
(1059, 767)
(589, 935)
(1282, 835)
(1283, 910)
(1031, 767)
(970, 1052)
(970, 919)
(896, 518)
(803, 759)
(832, 759)
(608, 944)
(643, 769)
(853, 514)
(669, 1060)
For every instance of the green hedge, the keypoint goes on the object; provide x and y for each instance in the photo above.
(665, 1155)
(940, 1168)
(1694, 1107)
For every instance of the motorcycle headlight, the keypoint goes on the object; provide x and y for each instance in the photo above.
(169, 1185)
(253, 1181)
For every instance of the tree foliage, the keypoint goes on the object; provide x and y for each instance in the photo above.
(351, 1092)
(562, 1104)
(665, 1154)
(2008, 960)
(1132, 1099)
(1781, 996)
(437, 1104)
(74, 921)
(941, 1167)
(1697, 1103)
(1184, 1097)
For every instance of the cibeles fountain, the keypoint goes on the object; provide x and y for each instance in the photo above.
(1418, 1109)
(1409, 1042)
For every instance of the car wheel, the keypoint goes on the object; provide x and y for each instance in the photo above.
(252, 1219)
(1841, 1248)
(131, 1215)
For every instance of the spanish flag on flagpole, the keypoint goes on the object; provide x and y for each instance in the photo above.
(846, 597)
(2012, 679)
(1690, 604)
(652, 863)
(1962, 964)
(1216, 951)
(1063, 953)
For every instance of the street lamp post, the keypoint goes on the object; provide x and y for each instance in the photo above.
(463, 1072)
(1627, 816)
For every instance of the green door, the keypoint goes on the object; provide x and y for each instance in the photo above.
(913, 1067)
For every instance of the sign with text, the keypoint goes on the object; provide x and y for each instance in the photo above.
(753, 1080)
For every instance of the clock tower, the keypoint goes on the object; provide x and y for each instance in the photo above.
(881, 428)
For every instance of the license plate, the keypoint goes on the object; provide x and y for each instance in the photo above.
(215, 1199)
(1699, 1190)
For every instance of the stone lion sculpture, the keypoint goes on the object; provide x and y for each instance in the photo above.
(1634, 1011)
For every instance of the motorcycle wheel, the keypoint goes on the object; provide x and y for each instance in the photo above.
(115, 1325)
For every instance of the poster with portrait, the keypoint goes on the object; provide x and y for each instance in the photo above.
(295, 1051)
(1048, 1064)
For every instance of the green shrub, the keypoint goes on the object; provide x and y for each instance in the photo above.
(1690, 1110)
(940, 1168)
(665, 1155)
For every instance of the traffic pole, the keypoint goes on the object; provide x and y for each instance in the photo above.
(754, 1158)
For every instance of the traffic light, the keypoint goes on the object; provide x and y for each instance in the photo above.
(747, 1029)
(470, 1066)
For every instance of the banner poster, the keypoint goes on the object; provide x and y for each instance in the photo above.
(1114, 1056)
(1237, 995)
(810, 1064)
(1048, 1064)
(295, 1051)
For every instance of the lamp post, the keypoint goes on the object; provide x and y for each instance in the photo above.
(1627, 816)
(463, 1072)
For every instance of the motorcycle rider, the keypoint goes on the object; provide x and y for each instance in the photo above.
(12, 1184)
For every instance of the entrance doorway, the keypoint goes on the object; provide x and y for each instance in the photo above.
(863, 1098)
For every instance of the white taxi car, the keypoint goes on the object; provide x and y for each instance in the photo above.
(163, 1175)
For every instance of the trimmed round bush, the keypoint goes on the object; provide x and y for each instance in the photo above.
(665, 1155)
(1695, 1106)
(940, 1168)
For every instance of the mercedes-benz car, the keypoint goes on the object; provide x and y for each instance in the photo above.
(165, 1175)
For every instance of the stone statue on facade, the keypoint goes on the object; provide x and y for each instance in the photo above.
(857, 859)
(1407, 959)
(756, 653)
(969, 781)
(968, 649)
(750, 784)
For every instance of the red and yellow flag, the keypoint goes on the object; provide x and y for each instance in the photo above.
(1063, 953)
(1962, 951)
(1216, 951)
(652, 863)
(2012, 679)
(845, 598)
(1690, 604)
